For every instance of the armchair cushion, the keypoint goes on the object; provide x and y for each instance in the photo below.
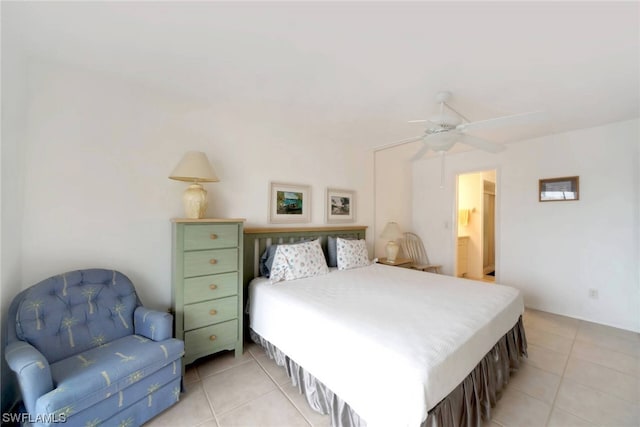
(152, 324)
(89, 377)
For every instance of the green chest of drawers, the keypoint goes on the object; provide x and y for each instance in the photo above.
(207, 285)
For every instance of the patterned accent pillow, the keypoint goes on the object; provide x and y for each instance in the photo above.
(352, 254)
(332, 250)
(297, 261)
(266, 260)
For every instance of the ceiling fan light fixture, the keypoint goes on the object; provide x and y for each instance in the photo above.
(442, 141)
(448, 127)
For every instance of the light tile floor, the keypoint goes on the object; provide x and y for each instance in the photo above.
(577, 374)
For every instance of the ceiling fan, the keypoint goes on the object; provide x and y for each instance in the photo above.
(445, 129)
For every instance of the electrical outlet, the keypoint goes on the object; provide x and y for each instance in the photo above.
(593, 293)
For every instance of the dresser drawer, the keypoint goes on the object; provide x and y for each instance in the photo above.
(210, 312)
(211, 338)
(205, 288)
(201, 263)
(210, 236)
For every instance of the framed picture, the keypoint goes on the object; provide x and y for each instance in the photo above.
(559, 189)
(289, 203)
(341, 206)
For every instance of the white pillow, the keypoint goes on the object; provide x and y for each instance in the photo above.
(352, 254)
(297, 261)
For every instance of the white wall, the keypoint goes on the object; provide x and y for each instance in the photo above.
(393, 191)
(99, 150)
(14, 85)
(554, 252)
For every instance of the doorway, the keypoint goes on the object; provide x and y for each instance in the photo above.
(476, 225)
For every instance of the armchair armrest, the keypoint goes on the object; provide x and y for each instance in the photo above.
(32, 370)
(152, 324)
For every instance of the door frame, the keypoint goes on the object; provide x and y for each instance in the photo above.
(484, 217)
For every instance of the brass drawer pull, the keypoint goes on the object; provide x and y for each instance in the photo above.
(213, 312)
(213, 261)
(213, 236)
(213, 287)
(212, 338)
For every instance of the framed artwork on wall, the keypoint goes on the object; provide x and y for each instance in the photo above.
(559, 189)
(289, 203)
(341, 206)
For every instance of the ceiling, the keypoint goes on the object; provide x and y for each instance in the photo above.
(354, 73)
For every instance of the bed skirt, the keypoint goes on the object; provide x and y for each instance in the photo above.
(467, 405)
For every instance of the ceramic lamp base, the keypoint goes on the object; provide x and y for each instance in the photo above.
(195, 201)
(392, 251)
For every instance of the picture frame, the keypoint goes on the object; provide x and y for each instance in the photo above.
(559, 189)
(340, 206)
(289, 203)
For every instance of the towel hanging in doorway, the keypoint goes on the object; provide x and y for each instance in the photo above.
(463, 217)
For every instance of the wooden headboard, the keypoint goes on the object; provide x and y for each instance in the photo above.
(256, 240)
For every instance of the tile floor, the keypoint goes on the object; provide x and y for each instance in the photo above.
(578, 374)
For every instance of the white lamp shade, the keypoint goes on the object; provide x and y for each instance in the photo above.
(391, 231)
(194, 167)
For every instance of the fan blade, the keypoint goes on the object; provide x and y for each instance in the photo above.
(482, 144)
(418, 121)
(513, 120)
(420, 153)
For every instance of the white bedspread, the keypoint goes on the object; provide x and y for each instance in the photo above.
(391, 342)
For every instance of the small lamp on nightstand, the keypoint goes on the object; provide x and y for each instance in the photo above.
(194, 168)
(391, 232)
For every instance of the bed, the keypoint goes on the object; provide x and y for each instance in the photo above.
(380, 345)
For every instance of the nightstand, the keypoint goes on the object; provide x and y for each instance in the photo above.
(399, 262)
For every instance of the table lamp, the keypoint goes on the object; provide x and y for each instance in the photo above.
(391, 232)
(195, 168)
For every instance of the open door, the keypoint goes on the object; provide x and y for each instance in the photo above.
(476, 225)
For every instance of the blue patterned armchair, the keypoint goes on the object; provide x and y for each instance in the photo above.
(86, 352)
